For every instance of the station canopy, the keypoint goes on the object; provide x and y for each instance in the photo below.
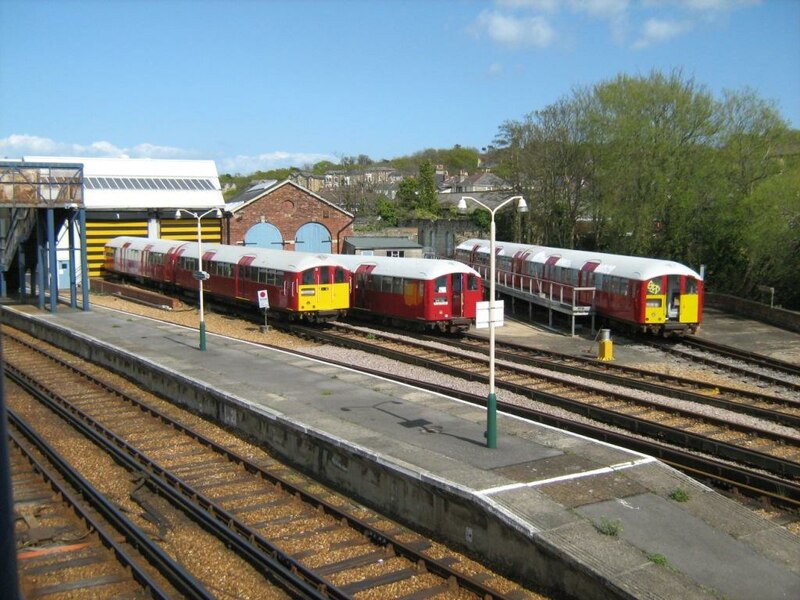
(145, 183)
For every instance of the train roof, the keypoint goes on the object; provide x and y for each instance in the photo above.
(619, 265)
(283, 260)
(411, 268)
(140, 243)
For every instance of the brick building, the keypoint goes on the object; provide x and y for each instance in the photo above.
(286, 215)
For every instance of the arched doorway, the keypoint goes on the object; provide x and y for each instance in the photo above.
(264, 235)
(313, 237)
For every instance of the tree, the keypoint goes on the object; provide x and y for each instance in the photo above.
(426, 188)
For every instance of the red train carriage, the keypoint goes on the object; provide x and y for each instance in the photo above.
(643, 294)
(300, 285)
(424, 293)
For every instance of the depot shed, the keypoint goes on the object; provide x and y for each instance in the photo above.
(271, 214)
(140, 197)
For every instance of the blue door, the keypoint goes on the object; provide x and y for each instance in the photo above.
(264, 235)
(313, 237)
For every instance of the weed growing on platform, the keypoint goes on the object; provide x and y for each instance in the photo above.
(609, 527)
(657, 559)
(679, 495)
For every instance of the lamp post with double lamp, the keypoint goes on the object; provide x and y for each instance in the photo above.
(491, 403)
(200, 275)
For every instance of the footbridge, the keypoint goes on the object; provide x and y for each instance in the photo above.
(42, 210)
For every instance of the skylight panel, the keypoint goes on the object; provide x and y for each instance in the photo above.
(137, 183)
(160, 184)
(183, 184)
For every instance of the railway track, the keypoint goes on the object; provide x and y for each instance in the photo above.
(743, 363)
(756, 450)
(64, 546)
(779, 408)
(308, 540)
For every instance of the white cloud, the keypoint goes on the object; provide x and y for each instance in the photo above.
(516, 31)
(495, 70)
(656, 31)
(19, 145)
(600, 9)
(704, 5)
(549, 6)
(270, 160)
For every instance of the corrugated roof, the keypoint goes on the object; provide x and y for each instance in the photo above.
(370, 242)
(145, 183)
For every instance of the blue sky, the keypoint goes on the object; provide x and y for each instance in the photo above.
(263, 84)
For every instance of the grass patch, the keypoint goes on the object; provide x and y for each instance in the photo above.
(326, 392)
(679, 495)
(609, 527)
(657, 559)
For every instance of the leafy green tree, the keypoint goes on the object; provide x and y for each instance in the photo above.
(388, 212)
(408, 195)
(772, 241)
(323, 166)
(428, 200)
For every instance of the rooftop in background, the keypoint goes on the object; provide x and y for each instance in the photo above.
(380, 242)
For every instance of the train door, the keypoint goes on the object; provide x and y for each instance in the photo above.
(360, 293)
(457, 304)
(690, 301)
(240, 284)
(518, 267)
(171, 264)
(122, 258)
(673, 297)
(586, 279)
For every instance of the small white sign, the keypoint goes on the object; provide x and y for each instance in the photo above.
(263, 299)
(483, 317)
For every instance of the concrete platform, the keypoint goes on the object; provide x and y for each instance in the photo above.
(553, 509)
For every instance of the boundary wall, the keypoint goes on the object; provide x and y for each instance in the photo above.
(779, 317)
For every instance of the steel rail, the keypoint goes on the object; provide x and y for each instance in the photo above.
(603, 372)
(180, 578)
(772, 380)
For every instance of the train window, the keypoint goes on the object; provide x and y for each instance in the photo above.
(386, 284)
(308, 277)
(280, 278)
(397, 285)
(440, 285)
(325, 275)
(654, 303)
(472, 283)
(654, 286)
(339, 276)
(691, 286)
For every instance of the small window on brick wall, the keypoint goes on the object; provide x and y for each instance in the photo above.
(326, 213)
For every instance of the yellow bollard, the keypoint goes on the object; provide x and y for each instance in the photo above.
(605, 350)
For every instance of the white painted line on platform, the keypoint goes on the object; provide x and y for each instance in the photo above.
(580, 475)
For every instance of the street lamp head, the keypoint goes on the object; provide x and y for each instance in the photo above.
(462, 206)
(218, 213)
(522, 206)
(178, 214)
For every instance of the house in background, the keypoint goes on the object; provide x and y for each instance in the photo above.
(382, 246)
